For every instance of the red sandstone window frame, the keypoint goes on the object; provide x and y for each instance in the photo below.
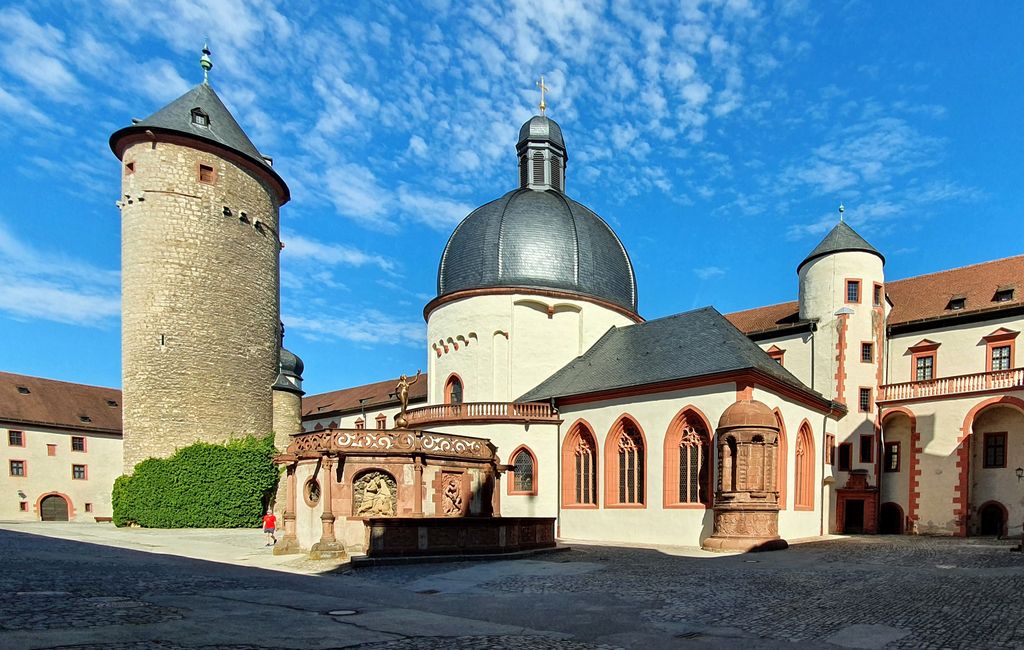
(861, 406)
(84, 449)
(360, 423)
(51, 449)
(88, 507)
(616, 475)
(806, 460)
(878, 295)
(382, 421)
(869, 348)
(892, 451)
(21, 437)
(580, 431)
(211, 178)
(85, 472)
(689, 417)
(867, 442)
(851, 283)
(24, 468)
(449, 389)
(993, 435)
(922, 350)
(848, 465)
(23, 506)
(512, 491)
(777, 354)
(1000, 338)
(830, 449)
(129, 168)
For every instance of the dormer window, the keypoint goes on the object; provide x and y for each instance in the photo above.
(24, 390)
(200, 118)
(956, 303)
(85, 418)
(1003, 294)
(111, 403)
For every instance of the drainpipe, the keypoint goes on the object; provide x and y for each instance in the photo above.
(821, 497)
(814, 328)
(558, 474)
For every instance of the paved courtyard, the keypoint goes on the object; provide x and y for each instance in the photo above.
(87, 586)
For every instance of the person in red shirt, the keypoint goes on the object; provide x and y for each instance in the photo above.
(269, 526)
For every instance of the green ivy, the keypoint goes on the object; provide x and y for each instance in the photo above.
(200, 486)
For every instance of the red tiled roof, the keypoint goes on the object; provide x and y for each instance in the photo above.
(921, 297)
(377, 395)
(58, 404)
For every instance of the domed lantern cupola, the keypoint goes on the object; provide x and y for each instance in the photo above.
(541, 151)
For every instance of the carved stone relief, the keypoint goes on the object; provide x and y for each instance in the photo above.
(375, 494)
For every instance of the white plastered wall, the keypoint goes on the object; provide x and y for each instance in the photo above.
(501, 346)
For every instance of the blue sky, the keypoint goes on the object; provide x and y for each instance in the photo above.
(717, 139)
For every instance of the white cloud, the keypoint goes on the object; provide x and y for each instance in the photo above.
(369, 327)
(299, 249)
(437, 212)
(709, 272)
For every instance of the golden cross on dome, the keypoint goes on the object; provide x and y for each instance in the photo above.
(540, 84)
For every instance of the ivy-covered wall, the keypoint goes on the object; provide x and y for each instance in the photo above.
(200, 486)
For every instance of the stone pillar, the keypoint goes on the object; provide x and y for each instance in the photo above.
(328, 546)
(290, 542)
(417, 496)
(746, 503)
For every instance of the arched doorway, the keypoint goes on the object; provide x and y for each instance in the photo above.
(890, 519)
(992, 518)
(53, 508)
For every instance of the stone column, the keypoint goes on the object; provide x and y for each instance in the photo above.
(328, 546)
(417, 496)
(290, 542)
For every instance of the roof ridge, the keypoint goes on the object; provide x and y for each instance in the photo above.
(774, 304)
(57, 381)
(956, 268)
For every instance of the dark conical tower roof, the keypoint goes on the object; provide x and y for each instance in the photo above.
(201, 115)
(841, 238)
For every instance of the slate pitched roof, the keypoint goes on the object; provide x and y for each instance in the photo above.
(841, 238)
(378, 395)
(918, 298)
(688, 345)
(34, 401)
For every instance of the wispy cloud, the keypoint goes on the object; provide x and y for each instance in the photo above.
(44, 285)
(709, 272)
(300, 250)
(368, 327)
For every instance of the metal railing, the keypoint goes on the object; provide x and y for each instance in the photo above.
(977, 382)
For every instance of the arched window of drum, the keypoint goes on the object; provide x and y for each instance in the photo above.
(556, 172)
(453, 391)
(538, 168)
(693, 465)
(631, 466)
(524, 172)
(523, 468)
(584, 471)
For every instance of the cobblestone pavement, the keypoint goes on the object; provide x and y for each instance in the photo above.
(867, 592)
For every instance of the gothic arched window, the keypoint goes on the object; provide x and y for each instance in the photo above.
(453, 390)
(524, 472)
(804, 469)
(625, 465)
(579, 468)
(688, 461)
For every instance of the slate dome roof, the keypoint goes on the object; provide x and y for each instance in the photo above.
(538, 239)
(541, 127)
(291, 364)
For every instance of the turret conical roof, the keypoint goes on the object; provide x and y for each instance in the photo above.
(841, 238)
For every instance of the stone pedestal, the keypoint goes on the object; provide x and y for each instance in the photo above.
(746, 501)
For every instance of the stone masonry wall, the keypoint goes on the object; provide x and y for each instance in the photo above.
(200, 301)
(287, 417)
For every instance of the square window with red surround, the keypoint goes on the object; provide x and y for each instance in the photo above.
(79, 472)
(16, 438)
(88, 507)
(995, 449)
(830, 449)
(876, 298)
(51, 450)
(853, 291)
(846, 456)
(777, 354)
(23, 506)
(18, 468)
(864, 400)
(78, 443)
(867, 352)
(1000, 347)
(207, 174)
(867, 449)
(892, 457)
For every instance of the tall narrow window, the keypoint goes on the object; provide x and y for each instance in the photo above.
(877, 297)
(556, 172)
(867, 449)
(538, 168)
(687, 461)
(845, 457)
(853, 291)
(524, 473)
(804, 469)
(625, 456)
(382, 421)
(524, 171)
(924, 367)
(864, 400)
(1001, 357)
(892, 456)
(995, 450)
(579, 468)
(453, 390)
(867, 352)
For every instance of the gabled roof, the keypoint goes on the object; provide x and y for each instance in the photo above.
(377, 395)
(841, 238)
(34, 401)
(689, 345)
(917, 299)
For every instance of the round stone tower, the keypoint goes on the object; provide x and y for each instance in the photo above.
(199, 275)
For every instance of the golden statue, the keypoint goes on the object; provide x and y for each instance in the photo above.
(402, 391)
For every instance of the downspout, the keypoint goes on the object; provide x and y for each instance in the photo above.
(558, 473)
(821, 497)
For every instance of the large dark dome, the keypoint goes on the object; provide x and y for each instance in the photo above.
(532, 238)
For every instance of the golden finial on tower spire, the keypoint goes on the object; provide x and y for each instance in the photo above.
(540, 84)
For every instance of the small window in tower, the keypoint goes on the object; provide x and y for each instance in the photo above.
(956, 303)
(1003, 294)
(538, 168)
(524, 175)
(111, 403)
(200, 118)
(243, 217)
(129, 168)
(24, 390)
(853, 291)
(207, 174)
(556, 172)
